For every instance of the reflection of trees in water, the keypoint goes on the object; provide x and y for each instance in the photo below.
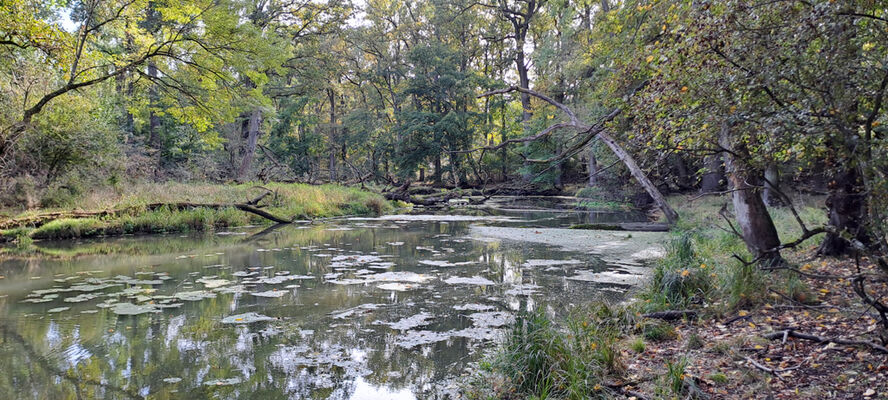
(130, 356)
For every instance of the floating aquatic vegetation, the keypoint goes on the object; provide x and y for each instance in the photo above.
(442, 263)
(363, 308)
(491, 319)
(195, 295)
(247, 318)
(58, 309)
(415, 321)
(618, 277)
(231, 289)
(412, 339)
(391, 276)
(478, 333)
(211, 283)
(132, 281)
(395, 243)
(244, 274)
(223, 382)
(133, 309)
(475, 280)
(292, 358)
(398, 286)
(270, 293)
(548, 263)
(473, 307)
(381, 265)
(172, 380)
(437, 217)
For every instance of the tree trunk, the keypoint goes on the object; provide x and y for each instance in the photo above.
(592, 166)
(332, 97)
(641, 177)
(252, 140)
(772, 186)
(847, 213)
(714, 177)
(756, 225)
(154, 141)
(682, 176)
(437, 175)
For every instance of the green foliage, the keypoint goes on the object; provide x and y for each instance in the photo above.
(638, 345)
(679, 279)
(675, 375)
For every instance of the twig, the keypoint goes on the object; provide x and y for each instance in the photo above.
(818, 339)
(771, 370)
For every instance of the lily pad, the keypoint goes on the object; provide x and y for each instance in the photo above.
(475, 280)
(247, 318)
(223, 382)
(133, 309)
(270, 293)
(196, 295)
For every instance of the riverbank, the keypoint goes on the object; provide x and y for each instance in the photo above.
(740, 332)
(178, 207)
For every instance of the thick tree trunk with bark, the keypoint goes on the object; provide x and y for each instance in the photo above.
(252, 140)
(847, 213)
(756, 225)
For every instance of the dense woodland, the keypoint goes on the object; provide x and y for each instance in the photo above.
(534, 93)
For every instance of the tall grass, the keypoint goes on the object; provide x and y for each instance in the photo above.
(289, 201)
(540, 359)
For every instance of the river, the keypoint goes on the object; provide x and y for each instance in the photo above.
(397, 307)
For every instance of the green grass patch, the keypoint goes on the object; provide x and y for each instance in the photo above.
(289, 201)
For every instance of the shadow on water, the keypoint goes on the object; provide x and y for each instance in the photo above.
(391, 307)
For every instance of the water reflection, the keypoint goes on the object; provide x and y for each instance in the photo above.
(334, 303)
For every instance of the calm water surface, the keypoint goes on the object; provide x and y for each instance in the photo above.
(390, 308)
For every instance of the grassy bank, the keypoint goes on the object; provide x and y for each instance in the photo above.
(723, 350)
(289, 201)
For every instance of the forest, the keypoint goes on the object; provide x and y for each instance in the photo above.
(753, 130)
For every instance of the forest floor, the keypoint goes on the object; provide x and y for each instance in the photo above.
(728, 356)
(183, 207)
(733, 347)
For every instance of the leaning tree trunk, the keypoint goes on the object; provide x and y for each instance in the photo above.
(641, 177)
(847, 213)
(756, 225)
